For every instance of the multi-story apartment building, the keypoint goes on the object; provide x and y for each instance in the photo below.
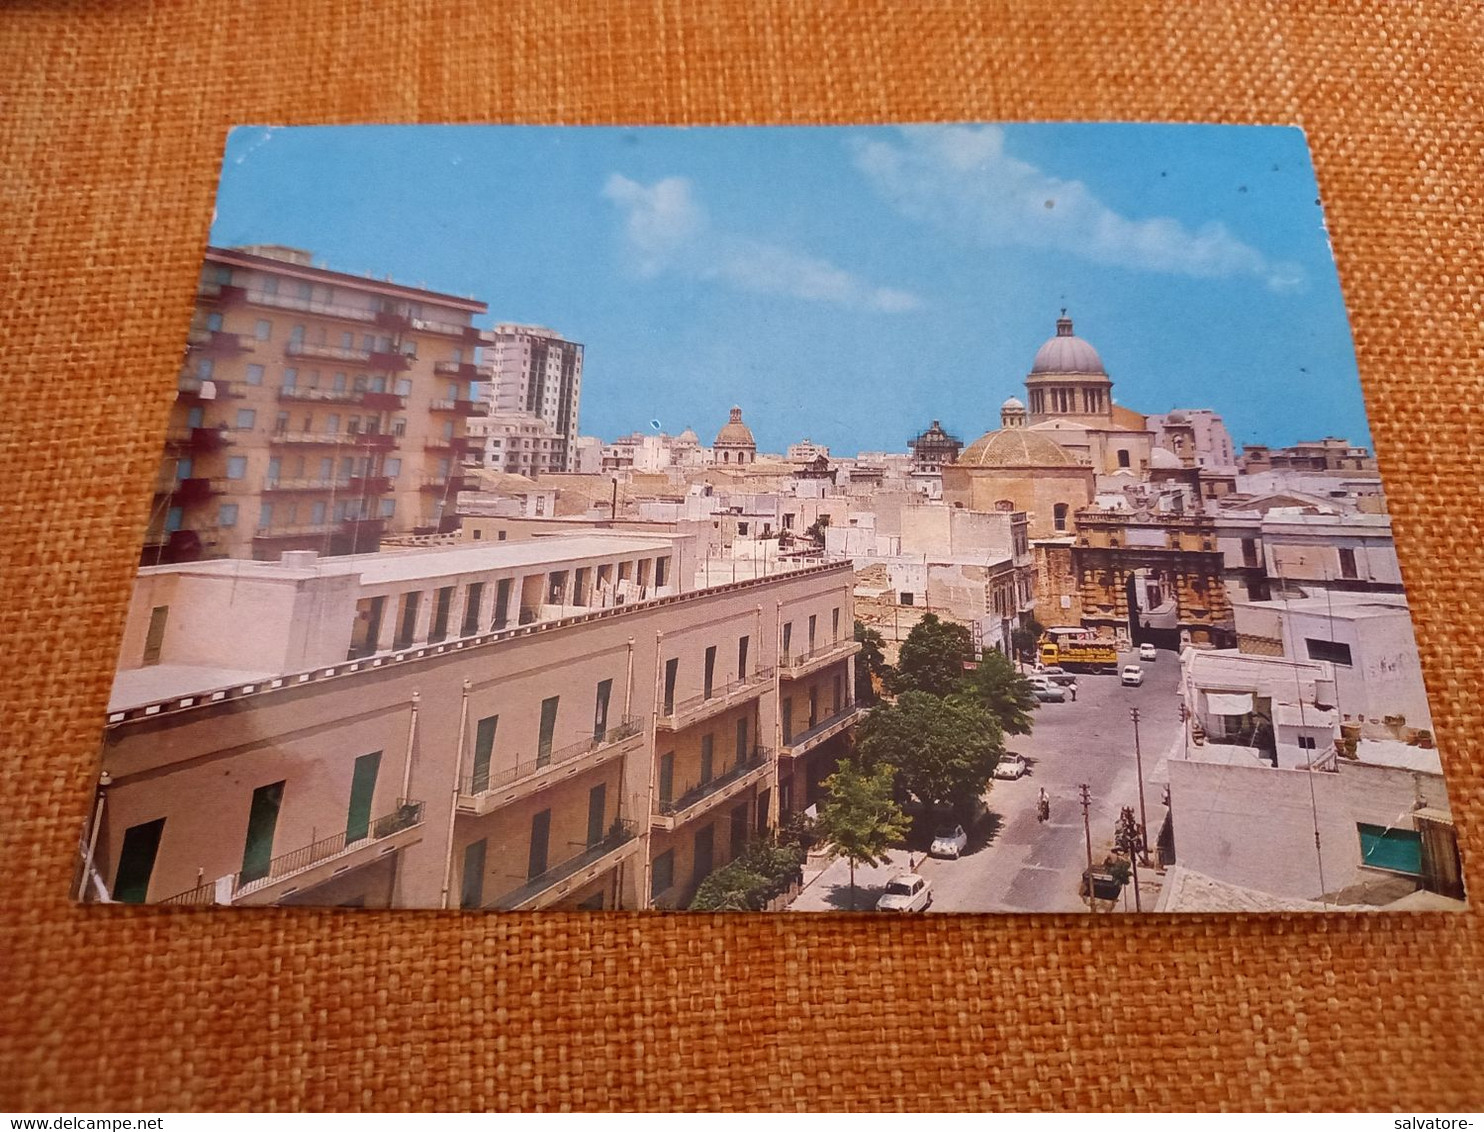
(315, 410)
(535, 370)
(522, 443)
(547, 722)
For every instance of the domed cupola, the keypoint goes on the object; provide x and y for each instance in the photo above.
(1067, 380)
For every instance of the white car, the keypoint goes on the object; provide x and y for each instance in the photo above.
(1148, 652)
(1012, 766)
(949, 842)
(1131, 676)
(906, 892)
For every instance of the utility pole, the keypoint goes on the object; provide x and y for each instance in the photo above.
(1139, 765)
(1131, 841)
(1087, 830)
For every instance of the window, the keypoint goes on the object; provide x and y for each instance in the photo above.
(835, 625)
(1059, 516)
(705, 854)
(662, 874)
(739, 829)
(407, 615)
(597, 802)
(332, 423)
(317, 514)
(1306, 742)
(710, 678)
(471, 886)
(548, 729)
(137, 862)
(442, 605)
(742, 643)
(473, 597)
(788, 719)
(788, 636)
(265, 515)
(262, 821)
(672, 669)
(1395, 850)
(660, 565)
(387, 508)
(502, 603)
(1336, 652)
(236, 467)
(262, 330)
(226, 515)
(600, 709)
(540, 835)
(813, 621)
(247, 418)
(906, 599)
(708, 758)
(214, 321)
(392, 468)
(362, 790)
(667, 778)
(484, 748)
(154, 637)
(403, 387)
(1347, 562)
(1123, 460)
(741, 740)
(204, 368)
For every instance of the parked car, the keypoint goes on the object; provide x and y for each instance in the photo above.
(1054, 674)
(1010, 766)
(906, 892)
(949, 842)
(1047, 692)
(1148, 652)
(1132, 675)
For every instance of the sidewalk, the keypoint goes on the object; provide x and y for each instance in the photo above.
(827, 888)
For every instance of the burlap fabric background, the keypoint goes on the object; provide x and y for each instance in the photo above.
(112, 118)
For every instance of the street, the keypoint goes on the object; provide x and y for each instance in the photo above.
(1015, 863)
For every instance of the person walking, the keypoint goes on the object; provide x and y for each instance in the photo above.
(1043, 807)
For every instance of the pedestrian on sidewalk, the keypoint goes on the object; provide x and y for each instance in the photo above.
(1043, 807)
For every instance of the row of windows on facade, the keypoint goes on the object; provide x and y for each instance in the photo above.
(340, 381)
(350, 467)
(366, 633)
(287, 515)
(303, 290)
(1064, 400)
(246, 420)
(370, 343)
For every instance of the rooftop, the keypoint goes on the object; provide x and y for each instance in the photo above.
(1343, 606)
(1188, 891)
(1402, 756)
(135, 687)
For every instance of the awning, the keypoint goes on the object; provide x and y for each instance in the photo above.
(1229, 703)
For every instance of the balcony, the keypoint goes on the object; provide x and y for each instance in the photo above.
(479, 794)
(333, 439)
(315, 863)
(462, 408)
(293, 303)
(389, 360)
(382, 402)
(393, 321)
(450, 484)
(577, 871)
(327, 353)
(792, 666)
(321, 396)
(198, 439)
(802, 742)
(369, 485)
(189, 492)
(451, 444)
(378, 441)
(296, 531)
(460, 330)
(670, 814)
(675, 717)
(216, 342)
(466, 370)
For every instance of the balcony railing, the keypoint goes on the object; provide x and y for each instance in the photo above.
(794, 664)
(288, 437)
(217, 342)
(673, 807)
(466, 370)
(674, 716)
(476, 785)
(288, 865)
(463, 408)
(450, 444)
(309, 306)
(305, 485)
(368, 398)
(369, 485)
(328, 353)
(296, 530)
(199, 439)
(620, 834)
(449, 483)
(801, 742)
(460, 330)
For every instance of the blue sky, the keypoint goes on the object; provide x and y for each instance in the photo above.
(848, 284)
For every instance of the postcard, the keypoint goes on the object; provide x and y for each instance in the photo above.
(943, 518)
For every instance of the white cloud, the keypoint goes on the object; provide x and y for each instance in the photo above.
(667, 230)
(959, 178)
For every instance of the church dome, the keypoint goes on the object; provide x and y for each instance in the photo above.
(1066, 353)
(735, 434)
(1013, 403)
(1164, 458)
(1016, 448)
(689, 437)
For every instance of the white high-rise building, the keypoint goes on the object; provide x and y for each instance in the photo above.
(535, 370)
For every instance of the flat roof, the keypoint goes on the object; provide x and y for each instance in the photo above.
(135, 687)
(428, 562)
(244, 258)
(1342, 606)
(1394, 753)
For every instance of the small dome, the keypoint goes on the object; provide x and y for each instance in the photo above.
(1013, 403)
(689, 437)
(1016, 448)
(1066, 353)
(1177, 417)
(1164, 458)
(735, 434)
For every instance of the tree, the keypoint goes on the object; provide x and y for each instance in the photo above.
(816, 529)
(944, 751)
(1025, 639)
(763, 870)
(870, 664)
(932, 657)
(859, 819)
(994, 685)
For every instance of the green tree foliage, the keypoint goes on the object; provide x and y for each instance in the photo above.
(944, 750)
(817, 528)
(870, 662)
(1026, 639)
(994, 685)
(860, 820)
(746, 884)
(932, 657)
